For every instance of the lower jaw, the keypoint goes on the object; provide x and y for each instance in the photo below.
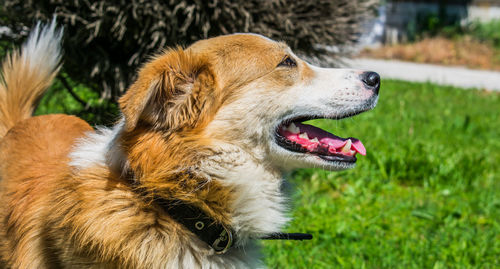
(306, 160)
(344, 159)
(331, 165)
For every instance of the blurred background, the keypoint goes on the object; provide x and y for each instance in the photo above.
(427, 195)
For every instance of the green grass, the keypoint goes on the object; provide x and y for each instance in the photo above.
(427, 195)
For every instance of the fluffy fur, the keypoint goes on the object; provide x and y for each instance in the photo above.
(197, 125)
(38, 65)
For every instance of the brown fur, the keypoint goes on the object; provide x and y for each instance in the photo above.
(16, 105)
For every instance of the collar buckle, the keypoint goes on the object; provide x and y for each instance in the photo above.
(225, 240)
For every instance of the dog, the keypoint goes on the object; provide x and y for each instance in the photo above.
(190, 176)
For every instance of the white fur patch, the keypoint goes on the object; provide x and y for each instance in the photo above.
(42, 51)
(96, 148)
(259, 206)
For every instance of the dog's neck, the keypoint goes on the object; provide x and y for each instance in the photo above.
(258, 205)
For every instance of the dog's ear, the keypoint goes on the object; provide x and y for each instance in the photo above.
(170, 92)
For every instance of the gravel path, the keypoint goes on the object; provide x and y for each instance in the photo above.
(444, 75)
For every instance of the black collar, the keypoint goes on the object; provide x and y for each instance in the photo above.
(219, 237)
(216, 235)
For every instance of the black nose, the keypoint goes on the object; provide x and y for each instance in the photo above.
(371, 80)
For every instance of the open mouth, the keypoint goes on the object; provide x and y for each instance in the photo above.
(296, 136)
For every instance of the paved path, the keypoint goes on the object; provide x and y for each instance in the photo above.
(444, 75)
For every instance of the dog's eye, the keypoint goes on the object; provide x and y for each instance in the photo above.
(288, 62)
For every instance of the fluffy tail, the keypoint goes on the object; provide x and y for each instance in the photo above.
(26, 74)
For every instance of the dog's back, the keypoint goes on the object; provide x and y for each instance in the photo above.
(31, 148)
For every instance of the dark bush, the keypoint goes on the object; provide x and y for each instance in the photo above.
(106, 41)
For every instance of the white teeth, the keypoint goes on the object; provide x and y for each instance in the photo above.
(292, 128)
(315, 140)
(347, 147)
(304, 135)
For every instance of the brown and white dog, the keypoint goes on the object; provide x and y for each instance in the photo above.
(212, 127)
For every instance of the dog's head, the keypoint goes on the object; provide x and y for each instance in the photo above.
(250, 92)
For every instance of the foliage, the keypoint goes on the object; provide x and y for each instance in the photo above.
(106, 41)
(453, 26)
(427, 195)
(91, 108)
(487, 32)
(435, 24)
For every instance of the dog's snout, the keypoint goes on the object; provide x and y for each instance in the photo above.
(371, 80)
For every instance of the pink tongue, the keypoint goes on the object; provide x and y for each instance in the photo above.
(332, 142)
(324, 138)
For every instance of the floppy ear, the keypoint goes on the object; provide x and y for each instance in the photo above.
(170, 92)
